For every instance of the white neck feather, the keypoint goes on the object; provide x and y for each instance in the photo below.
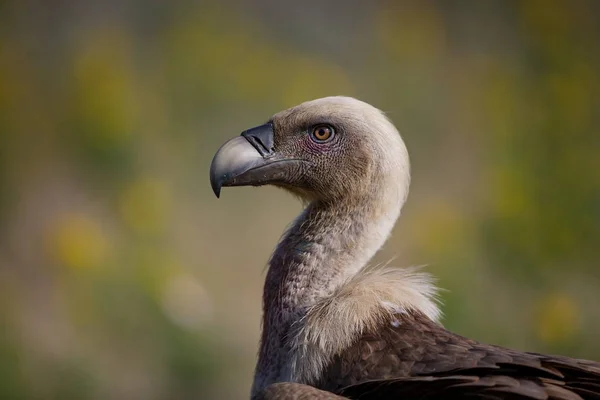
(366, 301)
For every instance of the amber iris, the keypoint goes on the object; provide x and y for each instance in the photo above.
(322, 133)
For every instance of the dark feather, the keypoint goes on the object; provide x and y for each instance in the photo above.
(420, 359)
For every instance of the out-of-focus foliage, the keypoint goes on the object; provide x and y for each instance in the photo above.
(122, 277)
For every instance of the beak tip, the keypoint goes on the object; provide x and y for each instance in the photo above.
(216, 187)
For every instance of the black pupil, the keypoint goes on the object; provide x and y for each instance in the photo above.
(322, 132)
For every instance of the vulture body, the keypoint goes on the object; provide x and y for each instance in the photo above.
(336, 328)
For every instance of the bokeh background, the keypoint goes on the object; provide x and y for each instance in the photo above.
(122, 277)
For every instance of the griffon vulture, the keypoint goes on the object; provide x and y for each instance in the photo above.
(334, 328)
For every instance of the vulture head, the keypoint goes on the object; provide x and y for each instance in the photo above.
(329, 149)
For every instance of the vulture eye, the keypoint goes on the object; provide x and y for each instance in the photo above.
(322, 133)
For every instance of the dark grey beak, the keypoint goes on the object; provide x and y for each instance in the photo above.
(248, 159)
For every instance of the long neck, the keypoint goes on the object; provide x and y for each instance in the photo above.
(326, 245)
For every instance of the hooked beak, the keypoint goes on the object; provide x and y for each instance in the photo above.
(249, 159)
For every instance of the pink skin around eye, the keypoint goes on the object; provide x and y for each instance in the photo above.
(313, 147)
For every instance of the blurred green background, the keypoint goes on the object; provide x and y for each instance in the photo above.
(122, 277)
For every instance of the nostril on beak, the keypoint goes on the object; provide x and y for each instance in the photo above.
(261, 138)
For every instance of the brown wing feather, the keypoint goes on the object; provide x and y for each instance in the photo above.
(432, 388)
(414, 357)
(487, 387)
